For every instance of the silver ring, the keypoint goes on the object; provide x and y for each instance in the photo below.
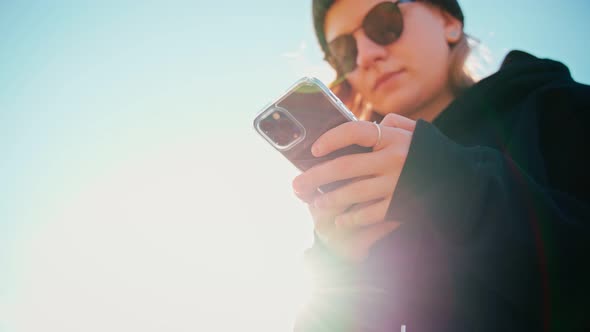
(379, 134)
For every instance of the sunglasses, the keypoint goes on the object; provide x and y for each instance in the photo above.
(383, 24)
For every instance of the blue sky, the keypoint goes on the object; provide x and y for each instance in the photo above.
(134, 193)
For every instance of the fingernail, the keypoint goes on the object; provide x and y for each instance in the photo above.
(315, 150)
(296, 184)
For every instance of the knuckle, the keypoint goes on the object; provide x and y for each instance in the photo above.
(343, 165)
(371, 214)
(398, 132)
(363, 188)
(358, 218)
(393, 157)
(391, 117)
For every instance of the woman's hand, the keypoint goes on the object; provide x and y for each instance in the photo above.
(352, 244)
(377, 172)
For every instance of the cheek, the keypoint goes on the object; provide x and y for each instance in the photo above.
(427, 77)
(423, 46)
(431, 73)
(428, 56)
(427, 60)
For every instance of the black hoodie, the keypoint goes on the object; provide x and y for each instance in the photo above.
(496, 218)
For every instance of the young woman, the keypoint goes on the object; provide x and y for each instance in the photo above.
(471, 213)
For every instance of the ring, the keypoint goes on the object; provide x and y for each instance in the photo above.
(379, 134)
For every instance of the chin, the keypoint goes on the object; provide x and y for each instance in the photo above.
(396, 103)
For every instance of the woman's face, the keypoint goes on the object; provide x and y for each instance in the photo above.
(408, 75)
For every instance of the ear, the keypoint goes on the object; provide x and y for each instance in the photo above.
(453, 28)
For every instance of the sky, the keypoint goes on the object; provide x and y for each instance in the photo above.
(134, 192)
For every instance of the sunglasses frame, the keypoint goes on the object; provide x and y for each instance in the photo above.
(335, 63)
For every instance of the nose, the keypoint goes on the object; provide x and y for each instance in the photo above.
(369, 52)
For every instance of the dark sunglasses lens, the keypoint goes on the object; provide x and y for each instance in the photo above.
(384, 23)
(343, 50)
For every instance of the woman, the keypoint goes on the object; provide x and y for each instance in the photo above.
(471, 213)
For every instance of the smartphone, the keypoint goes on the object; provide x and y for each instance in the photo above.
(296, 119)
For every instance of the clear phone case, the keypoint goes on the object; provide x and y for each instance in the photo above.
(295, 120)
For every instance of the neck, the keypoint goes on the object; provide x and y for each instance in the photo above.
(429, 111)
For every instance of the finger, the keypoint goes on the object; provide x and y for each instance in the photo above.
(398, 121)
(357, 192)
(342, 168)
(326, 213)
(324, 224)
(361, 133)
(368, 215)
(307, 197)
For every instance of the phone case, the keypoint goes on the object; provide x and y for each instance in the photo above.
(311, 107)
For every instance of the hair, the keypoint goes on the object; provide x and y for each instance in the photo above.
(459, 78)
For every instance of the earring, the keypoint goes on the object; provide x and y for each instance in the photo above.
(454, 34)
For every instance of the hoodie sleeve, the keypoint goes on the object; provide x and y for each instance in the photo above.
(525, 241)
(331, 307)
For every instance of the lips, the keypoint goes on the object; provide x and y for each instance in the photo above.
(385, 78)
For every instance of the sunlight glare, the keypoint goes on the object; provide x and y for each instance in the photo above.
(164, 242)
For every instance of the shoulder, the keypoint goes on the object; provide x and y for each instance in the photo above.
(531, 107)
(522, 73)
(521, 59)
(523, 77)
(523, 85)
(549, 108)
(537, 88)
(545, 83)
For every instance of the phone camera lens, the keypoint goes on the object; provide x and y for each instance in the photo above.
(281, 128)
